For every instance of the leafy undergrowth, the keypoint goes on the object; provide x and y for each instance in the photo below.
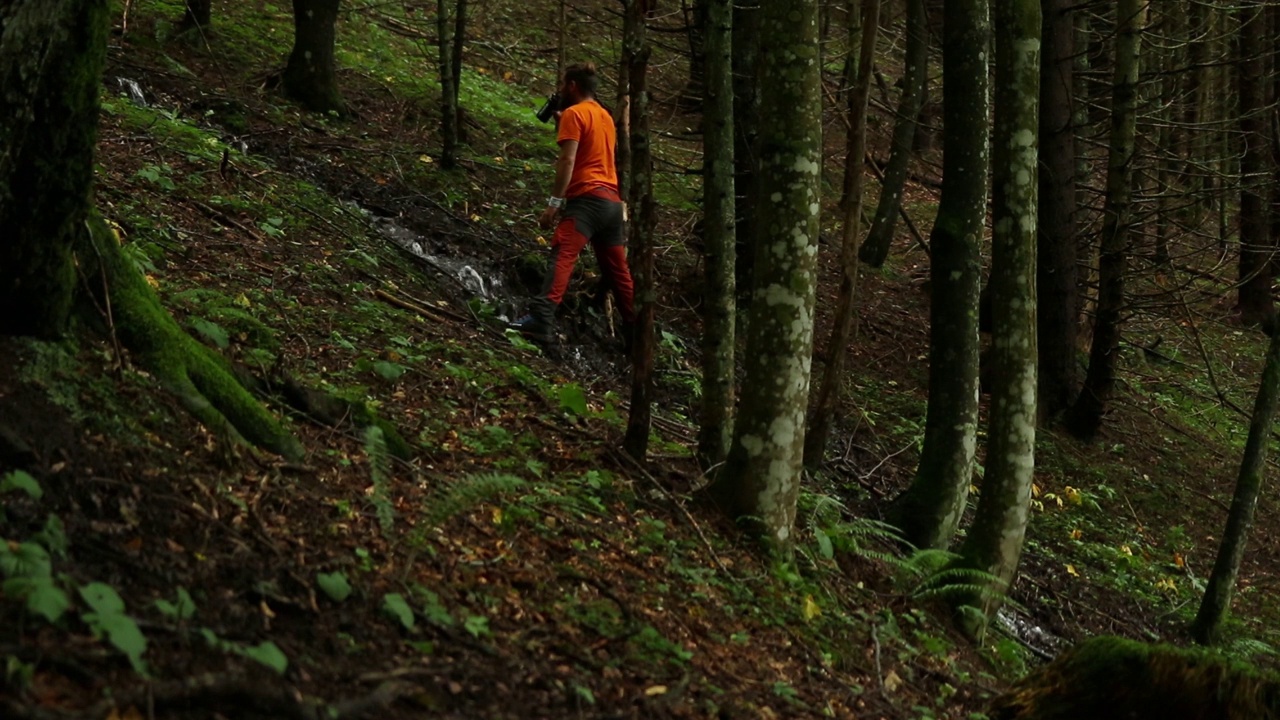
(516, 565)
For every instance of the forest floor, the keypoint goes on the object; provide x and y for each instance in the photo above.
(513, 562)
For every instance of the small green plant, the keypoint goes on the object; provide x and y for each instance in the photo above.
(375, 446)
(335, 585)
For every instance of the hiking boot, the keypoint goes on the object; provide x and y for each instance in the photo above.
(534, 329)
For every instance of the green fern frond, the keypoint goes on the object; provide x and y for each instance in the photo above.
(375, 446)
(467, 493)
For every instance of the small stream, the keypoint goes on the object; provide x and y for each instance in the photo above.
(1041, 641)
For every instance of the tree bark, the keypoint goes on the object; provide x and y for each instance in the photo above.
(51, 55)
(746, 136)
(929, 512)
(994, 543)
(1222, 581)
(823, 408)
(448, 88)
(1056, 278)
(636, 441)
(51, 59)
(875, 250)
(309, 77)
(1084, 419)
(1256, 244)
(719, 301)
(761, 478)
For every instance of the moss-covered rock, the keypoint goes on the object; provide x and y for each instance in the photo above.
(1114, 679)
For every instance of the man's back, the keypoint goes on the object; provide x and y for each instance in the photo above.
(592, 127)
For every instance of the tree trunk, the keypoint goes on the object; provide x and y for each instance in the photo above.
(820, 417)
(51, 58)
(994, 543)
(719, 301)
(929, 512)
(746, 136)
(309, 77)
(196, 15)
(761, 478)
(1085, 417)
(48, 129)
(448, 88)
(1256, 245)
(636, 441)
(459, 43)
(875, 250)
(1222, 581)
(1057, 319)
(695, 18)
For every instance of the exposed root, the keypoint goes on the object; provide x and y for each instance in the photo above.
(201, 379)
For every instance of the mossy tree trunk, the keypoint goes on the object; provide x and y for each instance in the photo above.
(1256, 244)
(309, 77)
(746, 137)
(51, 59)
(643, 221)
(875, 250)
(824, 403)
(719, 301)
(1084, 419)
(448, 88)
(761, 478)
(1217, 596)
(994, 543)
(49, 117)
(929, 512)
(1058, 319)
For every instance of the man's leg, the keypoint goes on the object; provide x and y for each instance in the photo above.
(611, 253)
(566, 245)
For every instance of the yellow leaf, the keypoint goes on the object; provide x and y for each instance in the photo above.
(499, 160)
(243, 301)
(542, 240)
(497, 516)
(153, 282)
(425, 159)
(1071, 570)
(1179, 560)
(809, 609)
(475, 218)
(1126, 550)
(1073, 495)
(1035, 490)
(1076, 534)
(656, 690)
(891, 681)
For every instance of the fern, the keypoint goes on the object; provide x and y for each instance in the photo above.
(466, 494)
(375, 446)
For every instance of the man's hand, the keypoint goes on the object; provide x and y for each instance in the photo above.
(548, 219)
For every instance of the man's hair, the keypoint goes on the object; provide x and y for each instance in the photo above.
(584, 74)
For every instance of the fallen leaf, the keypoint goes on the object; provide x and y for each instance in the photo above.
(891, 681)
(425, 159)
(1076, 534)
(1071, 570)
(655, 690)
(1179, 560)
(809, 609)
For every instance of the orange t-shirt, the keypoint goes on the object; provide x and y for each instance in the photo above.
(593, 168)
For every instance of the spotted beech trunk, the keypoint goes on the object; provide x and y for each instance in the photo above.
(761, 478)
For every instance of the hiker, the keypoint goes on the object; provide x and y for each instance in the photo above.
(586, 201)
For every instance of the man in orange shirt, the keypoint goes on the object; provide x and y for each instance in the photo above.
(585, 199)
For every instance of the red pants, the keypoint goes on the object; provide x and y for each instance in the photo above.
(597, 220)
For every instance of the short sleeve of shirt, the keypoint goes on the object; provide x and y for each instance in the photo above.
(571, 125)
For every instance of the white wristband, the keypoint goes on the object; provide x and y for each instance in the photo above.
(555, 202)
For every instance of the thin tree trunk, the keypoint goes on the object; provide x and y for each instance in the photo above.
(929, 512)
(695, 18)
(746, 132)
(309, 77)
(994, 543)
(636, 441)
(459, 44)
(196, 14)
(1256, 244)
(448, 88)
(562, 44)
(761, 478)
(1057, 320)
(875, 250)
(820, 416)
(1222, 581)
(719, 303)
(1085, 417)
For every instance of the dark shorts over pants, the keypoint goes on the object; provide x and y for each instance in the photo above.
(594, 218)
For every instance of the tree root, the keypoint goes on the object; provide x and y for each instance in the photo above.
(202, 379)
